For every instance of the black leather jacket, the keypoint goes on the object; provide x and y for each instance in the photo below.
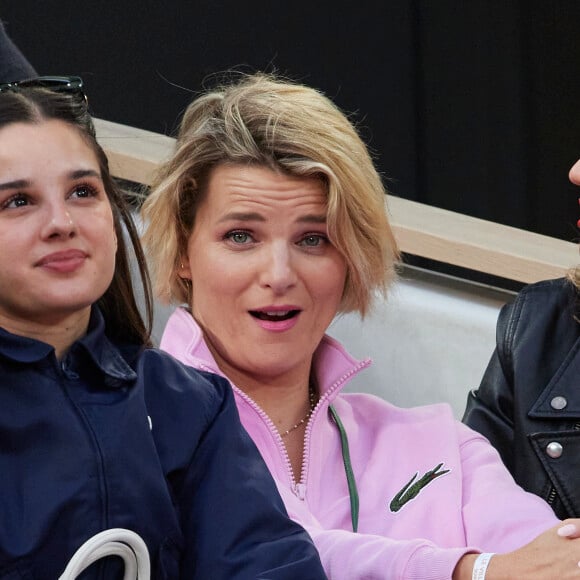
(528, 404)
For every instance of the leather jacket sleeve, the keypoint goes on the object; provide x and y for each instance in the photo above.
(489, 409)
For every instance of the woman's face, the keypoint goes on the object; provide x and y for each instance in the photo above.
(57, 234)
(266, 281)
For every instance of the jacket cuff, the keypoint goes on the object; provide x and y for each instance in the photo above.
(430, 563)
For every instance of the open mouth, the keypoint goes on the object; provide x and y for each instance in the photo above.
(274, 316)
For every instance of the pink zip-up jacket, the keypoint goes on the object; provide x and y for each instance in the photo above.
(471, 504)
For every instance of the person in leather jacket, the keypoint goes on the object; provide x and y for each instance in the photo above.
(528, 403)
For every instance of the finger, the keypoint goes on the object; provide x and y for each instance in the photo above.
(569, 531)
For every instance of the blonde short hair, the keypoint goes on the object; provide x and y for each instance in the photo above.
(287, 127)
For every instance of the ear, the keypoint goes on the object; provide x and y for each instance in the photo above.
(184, 270)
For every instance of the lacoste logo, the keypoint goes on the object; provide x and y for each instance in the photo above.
(411, 490)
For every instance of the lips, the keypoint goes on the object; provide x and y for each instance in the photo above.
(65, 261)
(274, 316)
(276, 319)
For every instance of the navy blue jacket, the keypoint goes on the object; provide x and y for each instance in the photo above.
(528, 403)
(119, 436)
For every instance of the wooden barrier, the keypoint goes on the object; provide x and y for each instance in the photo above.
(420, 229)
(133, 153)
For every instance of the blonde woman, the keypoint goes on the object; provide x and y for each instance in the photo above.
(267, 222)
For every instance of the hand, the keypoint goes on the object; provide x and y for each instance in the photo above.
(553, 554)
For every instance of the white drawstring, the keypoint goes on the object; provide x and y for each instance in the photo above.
(114, 542)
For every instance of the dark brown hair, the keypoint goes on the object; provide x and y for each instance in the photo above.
(123, 320)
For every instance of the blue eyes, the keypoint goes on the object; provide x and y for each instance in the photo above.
(313, 241)
(239, 237)
(243, 238)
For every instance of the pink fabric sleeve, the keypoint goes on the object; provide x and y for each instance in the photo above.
(499, 516)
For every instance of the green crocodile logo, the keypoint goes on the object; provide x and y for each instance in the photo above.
(411, 490)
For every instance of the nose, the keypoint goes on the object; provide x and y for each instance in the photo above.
(59, 221)
(278, 273)
(574, 174)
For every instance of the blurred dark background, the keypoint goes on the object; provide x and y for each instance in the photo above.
(470, 106)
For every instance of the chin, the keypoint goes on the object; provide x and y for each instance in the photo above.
(66, 306)
(274, 368)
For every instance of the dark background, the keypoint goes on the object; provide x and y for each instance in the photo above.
(470, 106)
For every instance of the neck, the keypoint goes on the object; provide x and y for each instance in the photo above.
(312, 400)
(59, 332)
(284, 397)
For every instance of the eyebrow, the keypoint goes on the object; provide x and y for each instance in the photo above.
(80, 173)
(256, 217)
(17, 184)
(24, 183)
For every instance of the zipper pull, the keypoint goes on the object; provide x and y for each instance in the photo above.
(300, 491)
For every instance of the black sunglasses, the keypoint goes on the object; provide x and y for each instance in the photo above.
(73, 85)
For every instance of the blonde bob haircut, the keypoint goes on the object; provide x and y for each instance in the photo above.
(290, 128)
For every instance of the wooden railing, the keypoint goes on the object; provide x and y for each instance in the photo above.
(420, 229)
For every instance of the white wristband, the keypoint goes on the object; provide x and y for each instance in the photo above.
(480, 566)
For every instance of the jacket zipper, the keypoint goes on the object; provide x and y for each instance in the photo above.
(298, 491)
(325, 398)
(553, 493)
(274, 432)
(299, 488)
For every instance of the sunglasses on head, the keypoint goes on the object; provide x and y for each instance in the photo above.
(72, 85)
